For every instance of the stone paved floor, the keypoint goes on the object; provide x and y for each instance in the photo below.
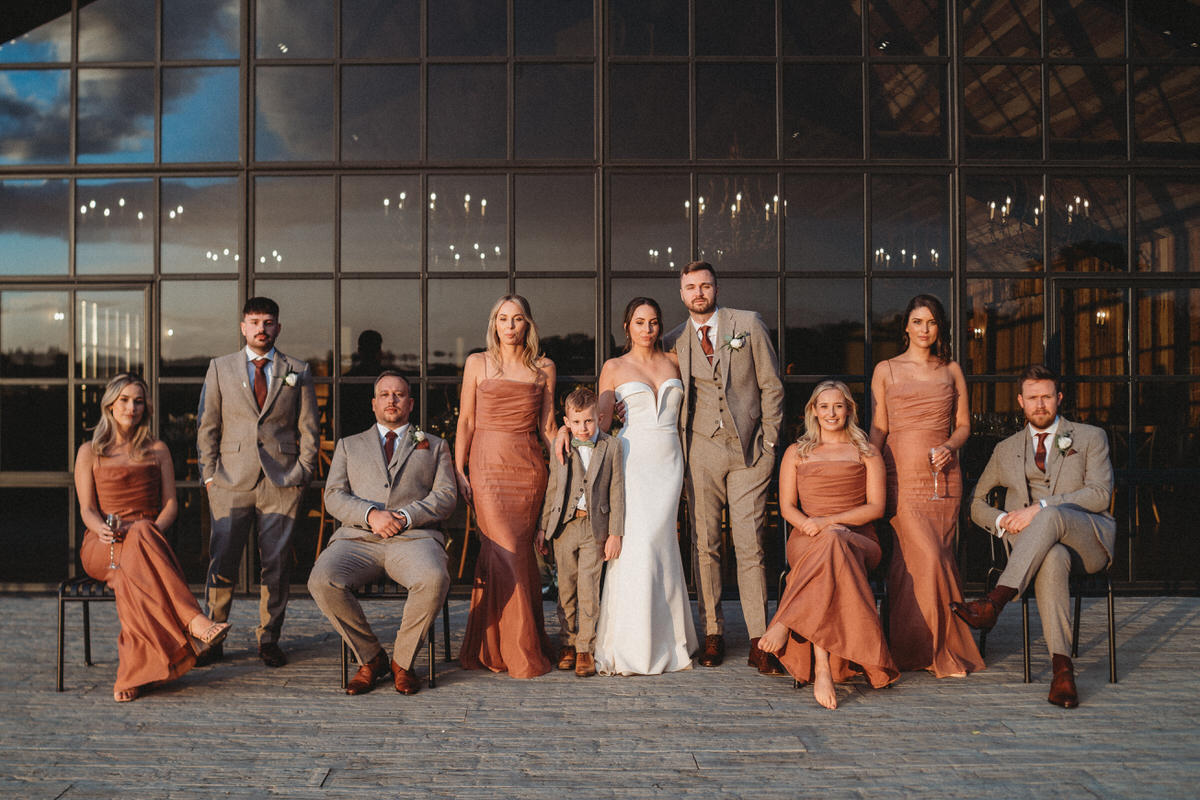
(240, 730)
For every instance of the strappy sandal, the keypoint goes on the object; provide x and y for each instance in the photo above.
(210, 637)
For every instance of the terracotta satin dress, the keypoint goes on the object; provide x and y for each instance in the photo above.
(923, 576)
(505, 627)
(154, 603)
(828, 601)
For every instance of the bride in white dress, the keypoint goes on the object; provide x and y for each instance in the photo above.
(645, 623)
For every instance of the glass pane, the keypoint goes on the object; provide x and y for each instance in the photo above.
(33, 433)
(889, 297)
(36, 128)
(294, 29)
(1105, 405)
(648, 216)
(190, 534)
(905, 28)
(910, 226)
(44, 38)
(1166, 112)
(111, 333)
(199, 228)
(745, 28)
(553, 27)
(305, 319)
(1004, 328)
(116, 116)
(554, 111)
(381, 28)
(293, 224)
(1084, 29)
(822, 111)
(293, 114)
(555, 221)
(1167, 424)
(1164, 30)
(1002, 222)
(176, 411)
(735, 110)
(1168, 225)
(201, 116)
(45, 558)
(824, 222)
(381, 223)
(1092, 330)
(1002, 111)
(377, 336)
(381, 113)
(1088, 220)
(1168, 332)
(838, 34)
(467, 28)
(208, 29)
(739, 221)
(1006, 28)
(1087, 112)
(648, 27)
(824, 333)
(441, 419)
(33, 227)
(467, 223)
(664, 290)
(467, 113)
(35, 334)
(648, 115)
(461, 310)
(196, 325)
(116, 30)
(114, 226)
(565, 311)
(908, 109)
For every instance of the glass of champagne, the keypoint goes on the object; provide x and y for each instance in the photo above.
(114, 523)
(934, 470)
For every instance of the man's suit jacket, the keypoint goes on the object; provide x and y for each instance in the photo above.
(750, 377)
(603, 486)
(419, 482)
(1081, 477)
(235, 440)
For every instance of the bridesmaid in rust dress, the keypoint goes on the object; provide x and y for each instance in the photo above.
(831, 488)
(507, 402)
(123, 470)
(920, 421)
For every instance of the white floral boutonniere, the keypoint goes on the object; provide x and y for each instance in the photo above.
(291, 378)
(735, 342)
(1063, 442)
(418, 438)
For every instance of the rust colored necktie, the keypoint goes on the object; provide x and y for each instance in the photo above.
(260, 381)
(705, 344)
(1039, 455)
(389, 446)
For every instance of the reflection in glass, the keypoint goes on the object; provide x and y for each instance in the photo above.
(822, 111)
(553, 27)
(48, 41)
(823, 222)
(566, 318)
(293, 224)
(760, 295)
(33, 227)
(745, 28)
(176, 412)
(37, 120)
(908, 111)
(191, 532)
(381, 223)
(1168, 222)
(114, 226)
(648, 111)
(1166, 112)
(45, 558)
(909, 224)
(1084, 29)
(381, 113)
(467, 27)
(555, 221)
(35, 332)
(468, 227)
(467, 113)
(649, 222)
(738, 221)
(735, 111)
(1152, 38)
(1002, 112)
(1105, 405)
(665, 290)
(116, 116)
(554, 112)
(381, 327)
(1167, 425)
(294, 29)
(201, 117)
(110, 333)
(1086, 106)
(458, 317)
(1088, 220)
(195, 324)
(33, 437)
(305, 319)
(1007, 28)
(1004, 328)
(293, 114)
(1168, 332)
(838, 34)
(208, 29)
(641, 28)
(116, 30)
(1092, 331)
(903, 29)
(824, 333)
(199, 225)
(889, 297)
(1002, 222)
(381, 29)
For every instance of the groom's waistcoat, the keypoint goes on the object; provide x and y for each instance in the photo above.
(1038, 481)
(707, 394)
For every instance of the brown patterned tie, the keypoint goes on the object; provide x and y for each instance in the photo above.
(260, 381)
(705, 344)
(389, 446)
(1039, 455)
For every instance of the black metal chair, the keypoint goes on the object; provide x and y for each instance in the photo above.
(389, 590)
(84, 591)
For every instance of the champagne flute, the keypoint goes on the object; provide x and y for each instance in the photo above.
(934, 470)
(114, 522)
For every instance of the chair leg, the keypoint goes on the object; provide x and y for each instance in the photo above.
(345, 662)
(87, 634)
(61, 639)
(1112, 637)
(1025, 634)
(432, 659)
(445, 628)
(1075, 625)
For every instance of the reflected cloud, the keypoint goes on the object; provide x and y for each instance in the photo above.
(34, 116)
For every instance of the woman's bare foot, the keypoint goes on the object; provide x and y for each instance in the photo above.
(823, 689)
(774, 639)
(126, 695)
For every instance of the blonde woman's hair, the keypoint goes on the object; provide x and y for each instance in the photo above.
(102, 437)
(531, 354)
(811, 437)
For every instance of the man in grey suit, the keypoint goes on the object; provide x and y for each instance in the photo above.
(390, 486)
(1058, 481)
(731, 419)
(257, 438)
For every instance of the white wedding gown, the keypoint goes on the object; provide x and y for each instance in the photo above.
(645, 623)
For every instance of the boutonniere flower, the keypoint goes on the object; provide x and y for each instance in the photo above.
(291, 378)
(1063, 442)
(736, 342)
(418, 438)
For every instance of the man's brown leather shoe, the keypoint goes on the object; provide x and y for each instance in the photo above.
(406, 680)
(766, 663)
(1062, 686)
(979, 614)
(585, 665)
(713, 652)
(370, 672)
(566, 657)
(271, 654)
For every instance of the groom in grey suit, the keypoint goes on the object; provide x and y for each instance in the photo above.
(390, 486)
(257, 438)
(731, 418)
(1058, 481)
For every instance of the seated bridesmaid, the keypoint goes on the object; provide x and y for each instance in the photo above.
(125, 476)
(832, 485)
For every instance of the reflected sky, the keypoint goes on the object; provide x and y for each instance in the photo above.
(199, 228)
(201, 28)
(48, 42)
(116, 116)
(34, 116)
(200, 114)
(33, 227)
